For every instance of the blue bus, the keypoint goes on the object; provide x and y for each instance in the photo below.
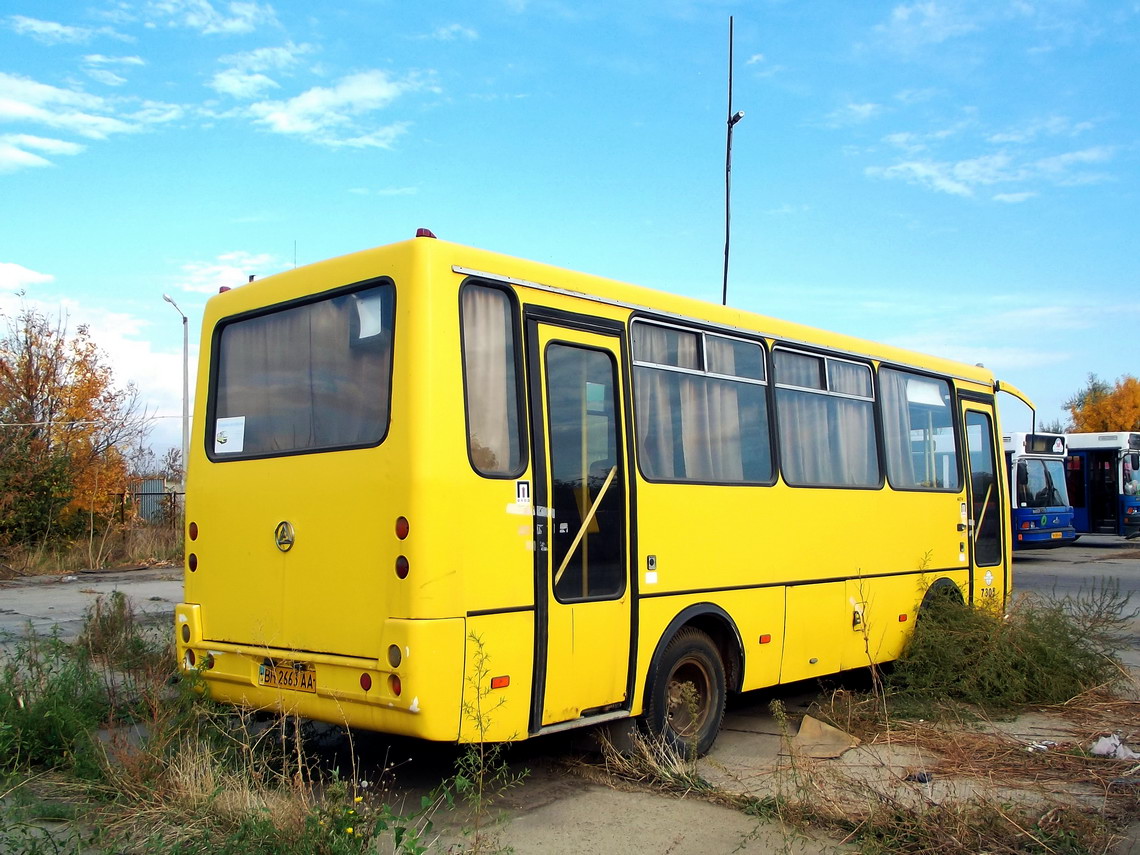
(1103, 474)
(1040, 514)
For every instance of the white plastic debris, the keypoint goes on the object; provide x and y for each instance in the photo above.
(1042, 745)
(1111, 745)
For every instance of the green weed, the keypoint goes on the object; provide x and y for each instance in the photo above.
(1045, 651)
(51, 701)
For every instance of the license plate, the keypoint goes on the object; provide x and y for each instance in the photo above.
(298, 677)
(1056, 535)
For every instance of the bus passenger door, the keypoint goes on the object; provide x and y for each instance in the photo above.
(583, 598)
(986, 507)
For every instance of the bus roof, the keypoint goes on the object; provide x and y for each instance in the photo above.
(1121, 441)
(358, 266)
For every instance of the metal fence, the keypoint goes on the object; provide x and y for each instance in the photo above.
(157, 507)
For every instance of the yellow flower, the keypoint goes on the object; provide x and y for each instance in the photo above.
(358, 799)
(348, 830)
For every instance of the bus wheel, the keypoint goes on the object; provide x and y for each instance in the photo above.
(687, 692)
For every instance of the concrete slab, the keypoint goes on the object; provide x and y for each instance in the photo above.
(48, 603)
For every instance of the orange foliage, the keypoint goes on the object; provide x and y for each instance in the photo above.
(1101, 409)
(60, 413)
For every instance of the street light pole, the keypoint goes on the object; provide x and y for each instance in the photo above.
(185, 385)
(733, 118)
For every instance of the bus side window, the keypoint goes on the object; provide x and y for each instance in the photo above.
(489, 334)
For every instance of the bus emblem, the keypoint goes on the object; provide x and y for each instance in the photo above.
(284, 536)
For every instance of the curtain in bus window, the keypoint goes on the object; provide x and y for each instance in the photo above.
(695, 427)
(799, 369)
(857, 459)
(491, 388)
(654, 394)
(902, 463)
(306, 377)
(918, 431)
(805, 453)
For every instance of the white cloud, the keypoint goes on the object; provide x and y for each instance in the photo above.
(48, 32)
(246, 79)
(107, 78)
(101, 59)
(386, 191)
(23, 99)
(914, 25)
(17, 151)
(916, 96)
(241, 84)
(16, 277)
(853, 114)
(227, 270)
(54, 33)
(99, 68)
(1014, 198)
(964, 177)
(233, 18)
(330, 115)
(26, 102)
(755, 58)
(452, 33)
(925, 173)
(1048, 126)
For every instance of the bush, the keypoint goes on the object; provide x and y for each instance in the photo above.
(1047, 650)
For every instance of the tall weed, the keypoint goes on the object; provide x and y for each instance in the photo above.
(1047, 650)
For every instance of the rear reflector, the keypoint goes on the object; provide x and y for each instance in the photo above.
(401, 567)
(366, 681)
(394, 685)
(403, 527)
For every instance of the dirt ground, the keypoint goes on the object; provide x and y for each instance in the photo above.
(558, 809)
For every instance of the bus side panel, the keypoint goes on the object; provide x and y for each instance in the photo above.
(500, 648)
(883, 612)
(816, 628)
(891, 546)
(757, 613)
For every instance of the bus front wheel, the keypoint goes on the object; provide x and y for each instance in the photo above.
(687, 692)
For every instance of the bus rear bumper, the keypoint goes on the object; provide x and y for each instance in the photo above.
(419, 696)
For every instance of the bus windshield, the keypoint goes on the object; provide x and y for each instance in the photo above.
(307, 377)
(1041, 483)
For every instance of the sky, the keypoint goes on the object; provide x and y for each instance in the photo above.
(954, 176)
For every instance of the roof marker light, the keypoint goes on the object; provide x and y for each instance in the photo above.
(424, 233)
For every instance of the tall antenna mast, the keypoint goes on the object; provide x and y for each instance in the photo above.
(733, 118)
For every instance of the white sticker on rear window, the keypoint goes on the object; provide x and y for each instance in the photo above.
(229, 435)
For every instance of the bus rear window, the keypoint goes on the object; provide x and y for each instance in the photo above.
(309, 377)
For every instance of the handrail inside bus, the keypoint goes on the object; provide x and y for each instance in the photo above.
(982, 515)
(585, 525)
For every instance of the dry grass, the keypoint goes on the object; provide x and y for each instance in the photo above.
(134, 543)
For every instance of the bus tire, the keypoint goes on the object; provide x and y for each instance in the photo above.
(685, 706)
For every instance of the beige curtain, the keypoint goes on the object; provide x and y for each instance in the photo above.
(488, 358)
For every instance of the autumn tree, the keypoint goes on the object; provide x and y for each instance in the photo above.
(1100, 407)
(65, 428)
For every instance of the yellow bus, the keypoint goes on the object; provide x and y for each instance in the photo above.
(427, 479)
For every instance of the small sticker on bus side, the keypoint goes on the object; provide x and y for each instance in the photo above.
(229, 435)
